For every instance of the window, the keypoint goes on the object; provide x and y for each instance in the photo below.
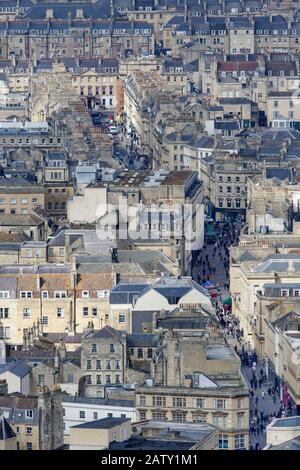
(239, 441)
(240, 420)
(85, 311)
(60, 294)
(122, 318)
(118, 378)
(220, 421)
(82, 414)
(44, 320)
(4, 294)
(94, 348)
(108, 365)
(28, 445)
(98, 364)
(29, 413)
(296, 293)
(94, 311)
(142, 400)
(108, 379)
(158, 416)
(112, 348)
(140, 353)
(118, 366)
(41, 379)
(70, 378)
(158, 401)
(149, 353)
(109, 415)
(98, 379)
(64, 411)
(223, 441)
(179, 402)
(199, 418)
(220, 404)
(89, 364)
(4, 312)
(284, 293)
(89, 380)
(28, 430)
(24, 201)
(26, 312)
(60, 312)
(85, 294)
(179, 417)
(200, 403)
(45, 294)
(95, 415)
(13, 201)
(26, 295)
(240, 403)
(102, 293)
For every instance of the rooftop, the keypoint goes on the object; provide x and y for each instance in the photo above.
(105, 423)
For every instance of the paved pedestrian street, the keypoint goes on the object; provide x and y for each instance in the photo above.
(265, 405)
(212, 265)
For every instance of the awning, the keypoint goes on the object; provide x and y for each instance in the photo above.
(227, 301)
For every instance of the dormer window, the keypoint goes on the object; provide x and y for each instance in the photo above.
(29, 413)
(85, 294)
(284, 293)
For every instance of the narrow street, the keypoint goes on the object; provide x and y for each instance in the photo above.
(213, 264)
(265, 405)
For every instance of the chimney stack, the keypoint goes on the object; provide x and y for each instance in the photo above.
(49, 13)
(2, 352)
(79, 13)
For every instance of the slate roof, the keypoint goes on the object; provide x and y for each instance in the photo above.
(6, 431)
(20, 369)
(292, 444)
(283, 320)
(124, 293)
(105, 423)
(145, 340)
(98, 401)
(61, 11)
(105, 333)
(278, 263)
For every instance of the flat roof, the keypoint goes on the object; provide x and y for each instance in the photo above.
(142, 443)
(105, 423)
(178, 177)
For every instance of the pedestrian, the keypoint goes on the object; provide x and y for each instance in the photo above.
(256, 401)
(261, 427)
(261, 372)
(269, 391)
(274, 398)
(263, 394)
